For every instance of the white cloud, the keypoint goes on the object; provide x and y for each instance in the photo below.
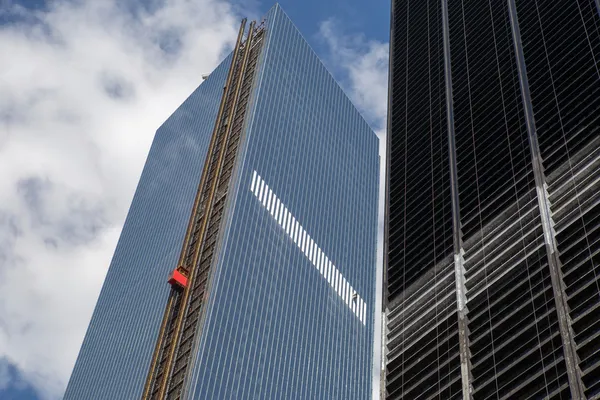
(365, 66)
(85, 87)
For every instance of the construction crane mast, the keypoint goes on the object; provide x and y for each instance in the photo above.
(190, 280)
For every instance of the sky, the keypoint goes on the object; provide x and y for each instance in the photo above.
(84, 84)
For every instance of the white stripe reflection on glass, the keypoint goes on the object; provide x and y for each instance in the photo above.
(253, 181)
(279, 213)
(267, 199)
(273, 205)
(295, 230)
(345, 291)
(308, 246)
(270, 201)
(303, 248)
(265, 195)
(262, 190)
(319, 259)
(335, 279)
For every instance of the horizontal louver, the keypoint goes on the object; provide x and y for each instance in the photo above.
(575, 202)
(561, 45)
(515, 343)
(420, 223)
(494, 163)
(423, 360)
(515, 346)
(422, 349)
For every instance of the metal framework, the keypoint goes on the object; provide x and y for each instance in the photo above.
(513, 309)
(182, 322)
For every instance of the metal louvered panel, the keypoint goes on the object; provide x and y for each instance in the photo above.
(561, 46)
(423, 358)
(523, 119)
(514, 338)
(494, 165)
(515, 343)
(574, 190)
(423, 361)
(421, 223)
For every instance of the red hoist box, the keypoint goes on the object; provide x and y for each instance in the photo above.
(177, 279)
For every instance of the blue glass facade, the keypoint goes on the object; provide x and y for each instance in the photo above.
(275, 327)
(290, 311)
(117, 348)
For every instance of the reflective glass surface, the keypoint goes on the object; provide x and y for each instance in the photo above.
(291, 298)
(116, 352)
(275, 326)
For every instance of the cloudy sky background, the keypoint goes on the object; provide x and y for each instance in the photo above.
(83, 87)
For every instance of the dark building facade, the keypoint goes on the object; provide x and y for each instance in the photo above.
(492, 275)
(273, 273)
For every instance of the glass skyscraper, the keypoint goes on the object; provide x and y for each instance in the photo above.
(273, 274)
(492, 278)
